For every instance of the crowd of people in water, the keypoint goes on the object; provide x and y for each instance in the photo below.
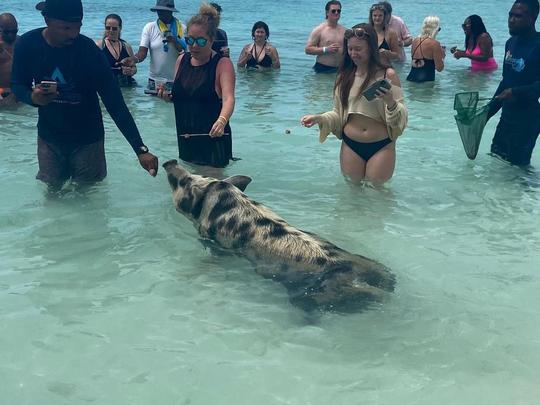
(62, 73)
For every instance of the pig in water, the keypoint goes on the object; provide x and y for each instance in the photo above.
(316, 273)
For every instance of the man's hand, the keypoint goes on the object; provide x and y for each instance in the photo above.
(333, 48)
(149, 162)
(42, 96)
(506, 94)
(130, 61)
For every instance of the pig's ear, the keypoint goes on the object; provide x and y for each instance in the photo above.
(240, 182)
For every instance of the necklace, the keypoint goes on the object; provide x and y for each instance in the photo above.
(258, 54)
(116, 53)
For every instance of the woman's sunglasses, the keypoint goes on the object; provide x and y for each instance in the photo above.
(336, 11)
(378, 7)
(359, 33)
(109, 28)
(9, 31)
(199, 41)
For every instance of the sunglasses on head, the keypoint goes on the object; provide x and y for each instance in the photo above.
(336, 11)
(109, 28)
(359, 33)
(377, 7)
(199, 41)
(9, 31)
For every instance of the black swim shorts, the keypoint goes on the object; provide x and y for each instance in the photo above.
(320, 68)
(515, 143)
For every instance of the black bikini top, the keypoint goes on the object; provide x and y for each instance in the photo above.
(384, 45)
(254, 61)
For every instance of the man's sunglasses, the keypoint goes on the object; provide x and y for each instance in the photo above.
(336, 11)
(359, 33)
(109, 28)
(199, 41)
(9, 31)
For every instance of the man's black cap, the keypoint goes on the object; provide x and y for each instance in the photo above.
(65, 10)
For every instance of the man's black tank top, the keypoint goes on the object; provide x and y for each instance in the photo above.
(196, 108)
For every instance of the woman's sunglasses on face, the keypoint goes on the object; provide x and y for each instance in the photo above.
(199, 41)
(336, 11)
(9, 31)
(359, 33)
(109, 28)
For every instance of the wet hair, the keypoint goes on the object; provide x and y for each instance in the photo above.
(207, 17)
(347, 68)
(217, 7)
(477, 28)
(430, 27)
(114, 17)
(382, 8)
(260, 24)
(331, 3)
(532, 5)
(387, 6)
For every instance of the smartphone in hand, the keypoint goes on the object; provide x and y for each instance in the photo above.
(49, 86)
(371, 92)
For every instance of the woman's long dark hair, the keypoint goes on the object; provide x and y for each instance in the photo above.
(477, 29)
(347, 68)
(113, 17)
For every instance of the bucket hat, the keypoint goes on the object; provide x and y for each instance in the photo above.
(164, 5)
(65, 10)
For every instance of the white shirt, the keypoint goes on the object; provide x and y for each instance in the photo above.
(161, 63)
(398, 25)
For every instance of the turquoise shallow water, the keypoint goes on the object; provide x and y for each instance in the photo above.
(108, 297)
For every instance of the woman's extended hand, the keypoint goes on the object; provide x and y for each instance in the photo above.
(386, 96)
(163, 94)
(217, 129)
(459, 54)
(310, 120)
(128, 70)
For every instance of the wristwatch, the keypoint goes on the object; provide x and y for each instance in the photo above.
(142, 149)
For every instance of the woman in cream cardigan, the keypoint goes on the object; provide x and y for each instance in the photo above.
(368, 129)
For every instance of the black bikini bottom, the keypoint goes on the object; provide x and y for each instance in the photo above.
(320, 68)
(365, 150)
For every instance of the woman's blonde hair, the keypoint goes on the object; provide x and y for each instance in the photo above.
(207, 17)
(430, 27)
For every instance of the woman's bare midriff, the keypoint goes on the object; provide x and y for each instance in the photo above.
(364, 129)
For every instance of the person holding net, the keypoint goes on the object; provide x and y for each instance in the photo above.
(519, 90)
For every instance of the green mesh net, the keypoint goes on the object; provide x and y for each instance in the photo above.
(470, 120)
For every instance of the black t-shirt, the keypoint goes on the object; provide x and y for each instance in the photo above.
(521, 73)
(81, 71)
(220, 41)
